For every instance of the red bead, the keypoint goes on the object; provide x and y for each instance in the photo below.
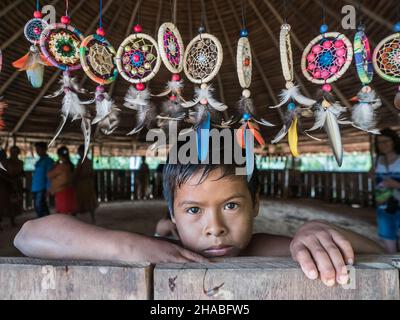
(37, 31)
(137, 28)
(176, 77)
(37, 15)
(172, 98)
(327, 87)
(140, 87)
(100, 32)
(65, 20)
(136, 58)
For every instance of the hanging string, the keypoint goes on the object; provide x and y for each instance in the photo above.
(37, 5)
(285, 11)
(243, 14)
(360, 12)
(66, 8)
(203, 18)
(101, 14)
(323, 12)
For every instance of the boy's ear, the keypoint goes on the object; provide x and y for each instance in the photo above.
(172, 218)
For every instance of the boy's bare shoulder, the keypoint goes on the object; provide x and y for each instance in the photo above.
(268, 245)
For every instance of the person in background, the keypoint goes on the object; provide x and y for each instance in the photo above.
(40, 182)
(5, 186)
(387, 181)
(61, 177)
(85, 190)
(143, 178)
(158, 180)
(15, 169)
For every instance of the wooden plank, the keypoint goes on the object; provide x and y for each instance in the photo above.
(27, 279)
(269, 279)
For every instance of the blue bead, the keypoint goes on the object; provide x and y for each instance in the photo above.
(291, 106)
(244, 33)
(246, 117)
(396, 27)
(323, 28)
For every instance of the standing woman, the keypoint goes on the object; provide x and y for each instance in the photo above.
(15, 168)
(387, 173)
(85, 189)
(61, 179)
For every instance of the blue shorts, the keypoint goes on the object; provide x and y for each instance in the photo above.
(388, 224)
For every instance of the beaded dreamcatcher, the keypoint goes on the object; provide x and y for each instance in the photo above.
(138, 61)
(60, 44)
(203, 59)
(291, 95)
(33, 62)
(326, 58)
(97, 57)
(363, 112)
(386, 60)
(250, 123)
(171, 50)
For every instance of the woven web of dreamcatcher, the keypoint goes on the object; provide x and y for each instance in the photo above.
(172, 48)
(327, 58)
(388, 60)
(139, 58)
(202, 58)
(244, 63)
(33, 30)
(101, 59)
(64, 47)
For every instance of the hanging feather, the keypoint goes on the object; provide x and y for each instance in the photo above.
(293, 93)
(246, 105)
(204, 96)
(107, 113)
(139, 100)
(293, 138)
(33, 63)
(3, 106)
(363, 113)
(72, 107)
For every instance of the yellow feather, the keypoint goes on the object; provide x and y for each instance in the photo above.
(293, 138)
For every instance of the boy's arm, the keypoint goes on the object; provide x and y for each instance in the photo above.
(64, 237)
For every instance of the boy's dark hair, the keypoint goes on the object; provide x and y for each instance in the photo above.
(176, 174)
(41, 145)
(392, 135)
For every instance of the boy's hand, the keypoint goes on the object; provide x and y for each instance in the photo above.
(321, 250)
(161, 251)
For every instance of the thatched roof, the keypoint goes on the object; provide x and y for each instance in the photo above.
(32, 116)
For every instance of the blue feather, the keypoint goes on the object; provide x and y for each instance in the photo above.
(203, 138)
(249, 149)
(35, 76)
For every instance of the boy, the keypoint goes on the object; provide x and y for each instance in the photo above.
(213, 210)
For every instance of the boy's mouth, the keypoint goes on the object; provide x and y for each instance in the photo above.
(218, 251)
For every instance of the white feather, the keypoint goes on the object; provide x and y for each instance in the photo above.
(281, 134)
(205, 94)
(332, 130)
(294, 94)
(363, 113)
(135, 99)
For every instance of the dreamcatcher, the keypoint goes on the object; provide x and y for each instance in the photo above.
(203, 59)
(386, 60)
(97, 57)
(171, 51)
(247, 110)
(325, 60)
(138, 61)
(60, 44)
(363, 112)
(33, 62)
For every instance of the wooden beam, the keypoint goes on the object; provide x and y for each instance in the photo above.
(127, 33)
(48, 84)
(8, 8)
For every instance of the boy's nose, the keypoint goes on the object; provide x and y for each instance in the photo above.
(215, 226)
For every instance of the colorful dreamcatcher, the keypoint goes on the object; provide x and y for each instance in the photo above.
(297, 104)
(363, 112)
(171, 50)
(203, 59)
(386, 60)
(98, 59)
(250, 122)
(138, 61)
(60, 44)
(33, 62)
(326, 58)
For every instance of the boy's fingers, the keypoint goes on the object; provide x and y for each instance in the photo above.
(193, 256)
(336, 257)
(344, 246)
(303, 257)
(324, 263)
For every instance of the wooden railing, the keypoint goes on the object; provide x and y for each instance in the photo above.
(253, 278)
(353, 188)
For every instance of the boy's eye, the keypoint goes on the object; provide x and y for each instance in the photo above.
(231, 206)
(193, 210)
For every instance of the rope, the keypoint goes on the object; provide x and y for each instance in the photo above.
(360, 12)
(285, 11)
(243, 14)
(323, 12)
(101, 13)
(66, 8)
(37, 5)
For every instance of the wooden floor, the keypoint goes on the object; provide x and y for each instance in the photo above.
(276, 217)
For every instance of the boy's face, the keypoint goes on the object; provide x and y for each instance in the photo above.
(215, 217)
